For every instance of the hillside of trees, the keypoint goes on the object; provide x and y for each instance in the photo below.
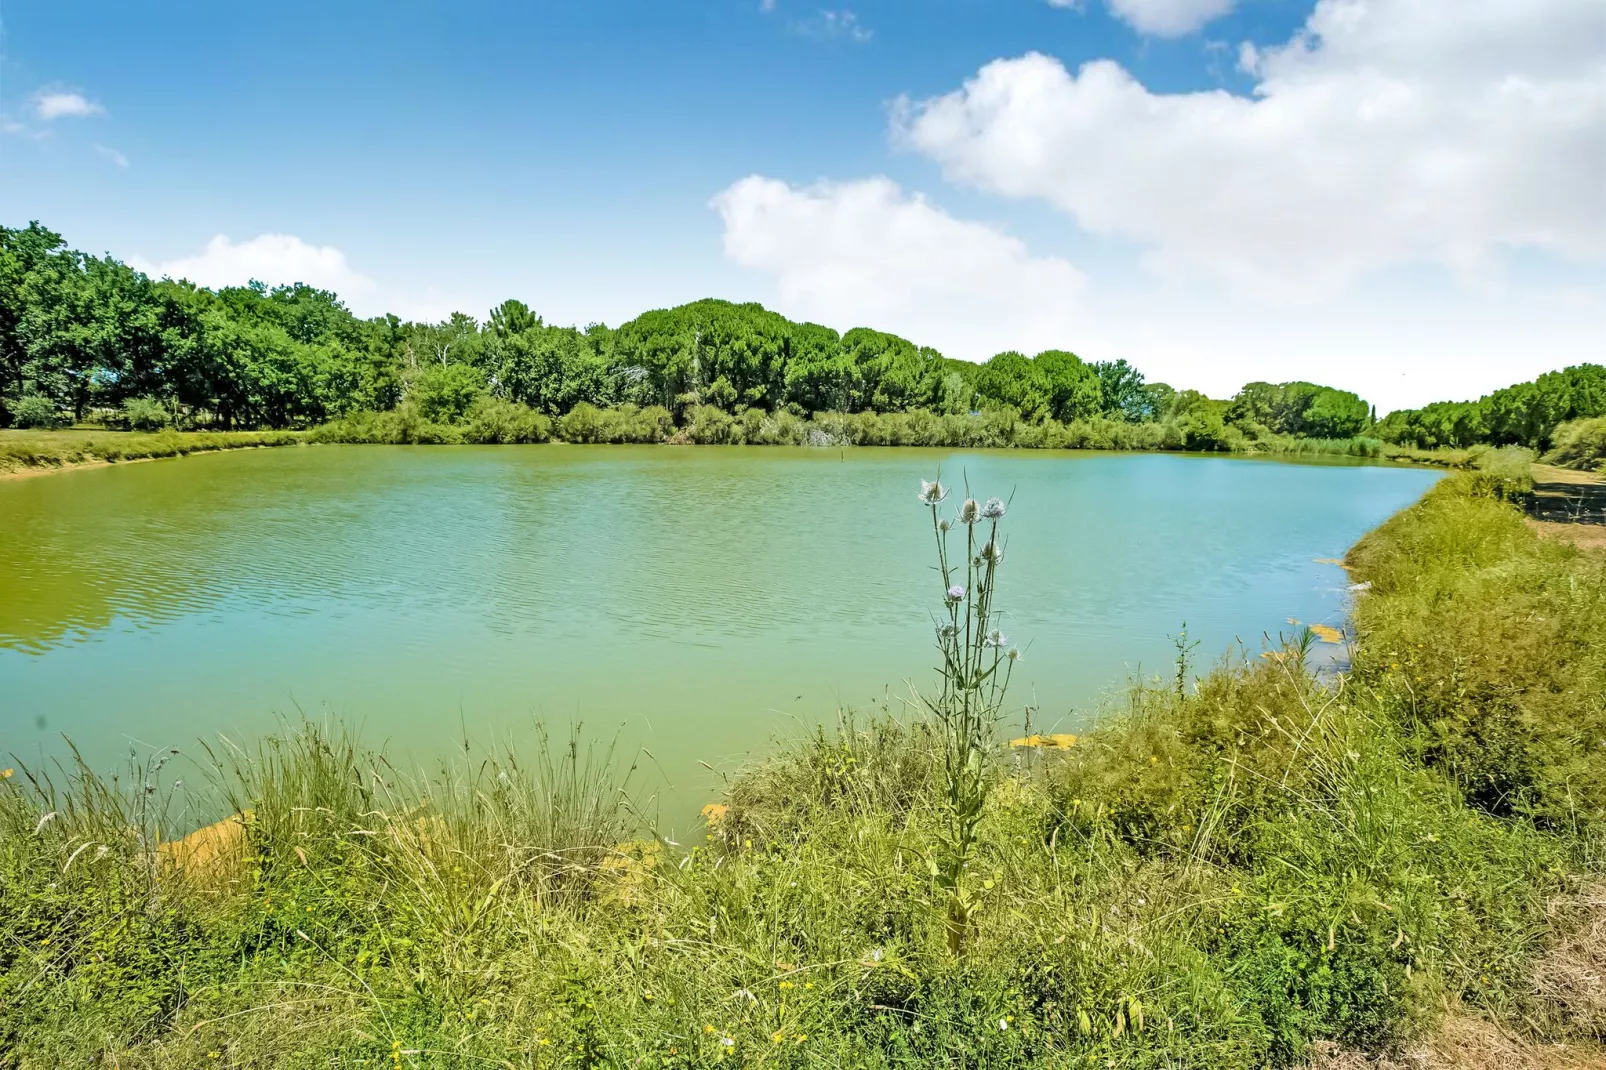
(85, 337)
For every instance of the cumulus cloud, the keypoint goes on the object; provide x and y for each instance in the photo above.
(276, 259)
(865, 253)
(1385, 132)
(51, 104)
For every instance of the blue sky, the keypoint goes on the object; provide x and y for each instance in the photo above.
(1348, 191)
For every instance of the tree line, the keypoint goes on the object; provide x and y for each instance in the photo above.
(84, 336)
(1526, 414)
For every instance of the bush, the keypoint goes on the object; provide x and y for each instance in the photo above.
(585, 423)
(35, 411)
(444, 393)
(493, 421)
(145, 414)
(1580, 444)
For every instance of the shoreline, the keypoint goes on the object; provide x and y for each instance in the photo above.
(79, 450)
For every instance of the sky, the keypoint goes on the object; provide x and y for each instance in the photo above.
(1405, 198)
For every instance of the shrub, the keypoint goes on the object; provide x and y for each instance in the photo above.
(1580, 444)
(493, 421)
(444, 393)
(35, 411)
(145, 414)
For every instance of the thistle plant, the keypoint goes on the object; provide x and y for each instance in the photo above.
(976, 665)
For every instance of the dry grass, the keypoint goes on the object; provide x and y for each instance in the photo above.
(1549, 473)
(1584, 536)
(1569, 983)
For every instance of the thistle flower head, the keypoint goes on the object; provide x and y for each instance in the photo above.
(997, 640)
(956, 593)
(970, 512)
(944, 525)
(932, 493)
(994, 509)
(992, 553)
(946, 632)
(1015, 654)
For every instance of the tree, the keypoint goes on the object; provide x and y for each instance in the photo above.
(1122, 395)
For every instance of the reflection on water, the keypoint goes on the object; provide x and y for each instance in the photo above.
(696, 599)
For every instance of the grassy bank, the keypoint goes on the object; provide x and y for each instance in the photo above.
(1218, 876)
(506, 424)
(43, 450)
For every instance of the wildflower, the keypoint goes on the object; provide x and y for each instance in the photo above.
(956, 593)
(946, 631)
(945, 526)
(5, 774)
(994, 509)
(727, 1042)
(787, 984)
(708, 1029)
(932, 493)
(996, 639)
(1015, 654)
(777, 1036)
(992, 553)
(970, 512)
(1003, 1025)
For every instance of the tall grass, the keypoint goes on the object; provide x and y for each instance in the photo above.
(1216, 876)
(46, 449)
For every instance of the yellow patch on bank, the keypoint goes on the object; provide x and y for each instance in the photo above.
(1326, 634)
(1057, 741)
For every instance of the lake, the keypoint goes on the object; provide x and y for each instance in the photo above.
(697, 602)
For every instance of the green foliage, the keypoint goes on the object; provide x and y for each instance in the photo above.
(444, 393)
(145, 414)
(1527, 414)
(1301, 409)
(1487, 641)
(35, 411)
(1580, 444)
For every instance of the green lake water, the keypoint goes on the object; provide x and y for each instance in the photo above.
(697, 602)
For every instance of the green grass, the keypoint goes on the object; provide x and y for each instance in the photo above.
(21, 450)
(1215, 877)
(501, 423)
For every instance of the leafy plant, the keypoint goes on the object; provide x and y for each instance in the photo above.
(975, 673)
(145, 414)
(35, 411)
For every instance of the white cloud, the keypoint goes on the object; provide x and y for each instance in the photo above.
(834, 25)
(1386, 132)
(113, 155)
(51, 104)
(276, 259)
(1162, 18)
(1168, 18)
(866, 254)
